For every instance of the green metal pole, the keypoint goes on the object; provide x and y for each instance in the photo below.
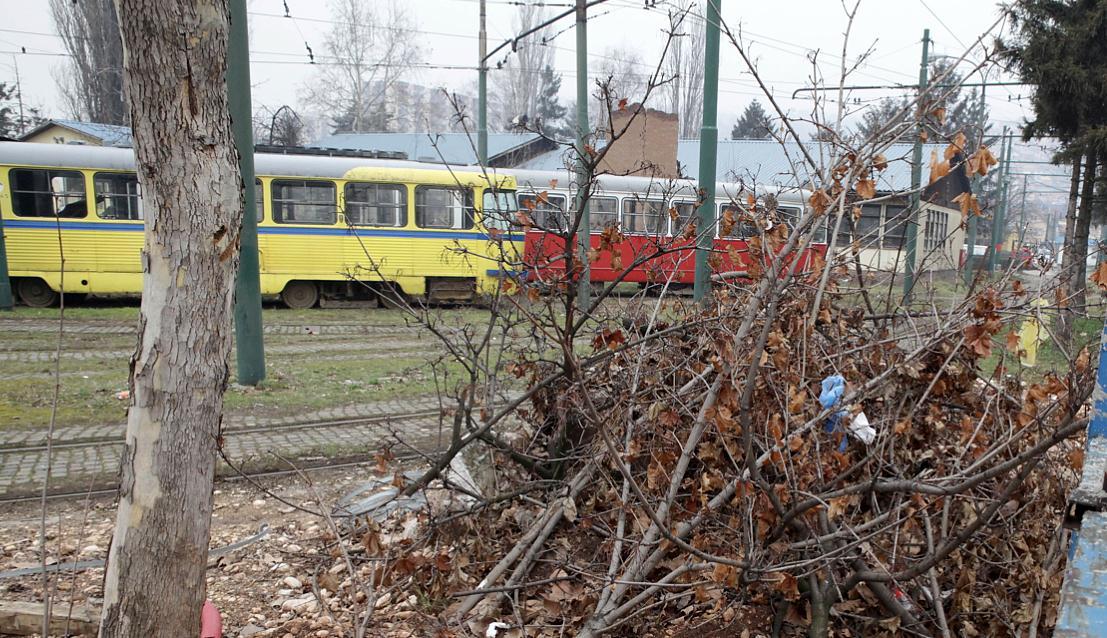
(999, 220)
(916, 180)
(249, 348)
(482, 92)
(977, 186)
(709, 147)
(6, 301)
(1022, 215)
(584, 231)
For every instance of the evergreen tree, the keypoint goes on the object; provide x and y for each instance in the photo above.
(12, 123)
(962, 111)
(551, 115)
(755, 124)
(1060, 48)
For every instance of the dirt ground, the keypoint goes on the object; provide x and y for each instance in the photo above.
(262, 590)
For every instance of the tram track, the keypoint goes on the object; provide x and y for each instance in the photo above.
(236, 431)
(243, 446)
(302, 467)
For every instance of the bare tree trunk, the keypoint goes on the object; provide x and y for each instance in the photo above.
(1064, 315)
(1079, 279)
(174, 70)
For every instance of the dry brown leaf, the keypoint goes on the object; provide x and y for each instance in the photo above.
(819, 201)
(980, 161)
(1100, 275)
(1013, 342)
(866, 188)
(956, 146)
(880, 162)
(969, 205)
(938, 169)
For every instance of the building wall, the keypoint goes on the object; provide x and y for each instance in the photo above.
(648, 148)
(938, 251)
(60, 135)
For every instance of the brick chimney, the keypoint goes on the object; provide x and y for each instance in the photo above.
(648, 148)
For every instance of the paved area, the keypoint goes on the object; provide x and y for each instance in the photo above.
(90, 456)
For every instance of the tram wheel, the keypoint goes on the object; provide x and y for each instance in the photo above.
(300, 295)
(35, 293)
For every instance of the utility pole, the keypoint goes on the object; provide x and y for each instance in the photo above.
(584, 230)
(19, 97)
(916, 178)
(1022, 214)
(249, 346)
(709, 147)
(977, 187)
(482, 92)
(998, 220)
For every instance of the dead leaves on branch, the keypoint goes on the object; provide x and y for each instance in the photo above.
(980, 161)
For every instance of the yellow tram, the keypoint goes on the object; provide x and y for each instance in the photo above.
(329, 228)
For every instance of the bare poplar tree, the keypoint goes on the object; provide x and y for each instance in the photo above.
(518, 83)
(175, 72)
(368, 51)
(93, 81)
(685, 66)
(620, 75)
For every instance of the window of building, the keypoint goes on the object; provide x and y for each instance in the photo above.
(642, 215)
(550, 212)
(298, 201)
(896, 219)
(376, 204)
(117, 196)
(48, 193)
(441, 207)
(867, 227)
(935, 230)
(603, 212)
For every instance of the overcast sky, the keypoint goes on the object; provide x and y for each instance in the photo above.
(782, 33)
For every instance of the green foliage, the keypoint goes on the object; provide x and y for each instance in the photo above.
(1060, 47)
(755, 124)
(553, 118)
(11, 123)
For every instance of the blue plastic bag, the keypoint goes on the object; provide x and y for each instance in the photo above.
(833, 387)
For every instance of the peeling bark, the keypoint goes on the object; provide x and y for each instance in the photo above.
(174, 72)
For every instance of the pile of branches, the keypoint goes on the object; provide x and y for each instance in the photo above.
(802, 470)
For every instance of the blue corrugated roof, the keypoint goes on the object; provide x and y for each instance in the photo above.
(454, 148)
(108, 134)
(765, 162)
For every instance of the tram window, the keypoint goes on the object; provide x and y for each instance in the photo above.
(441, 207)
(549, 213)
(498, 209)
(642, 215)
(896, 219)
(259, 192)
(117, 196)
(376, 204)
(298, 201)
(685, 211)
(603, 212)
(48, 193)
(742, 228)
